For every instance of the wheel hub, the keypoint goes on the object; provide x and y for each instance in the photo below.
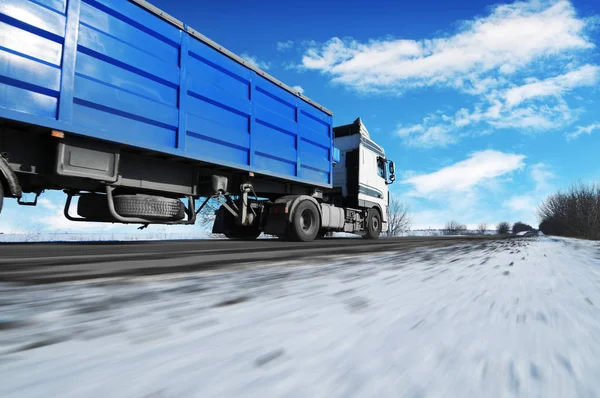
(375, 224)
(307, 220)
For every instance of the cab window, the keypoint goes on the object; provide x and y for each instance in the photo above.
(381, 167)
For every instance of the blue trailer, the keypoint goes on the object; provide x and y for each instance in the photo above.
(130, 110)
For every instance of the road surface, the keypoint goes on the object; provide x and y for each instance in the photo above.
(59, 262)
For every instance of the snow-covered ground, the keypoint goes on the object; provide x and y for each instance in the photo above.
(517, 318)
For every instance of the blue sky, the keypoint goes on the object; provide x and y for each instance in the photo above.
(485, 107)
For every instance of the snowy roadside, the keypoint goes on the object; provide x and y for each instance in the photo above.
(495, 319)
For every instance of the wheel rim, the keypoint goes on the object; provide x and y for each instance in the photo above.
(375, 224)
(307, 220)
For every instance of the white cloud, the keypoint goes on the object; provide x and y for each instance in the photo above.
(511, 38)
(255, 61)
(298, 89)
(519, 62)
(504, 109)
(583, 130)
(524, 207)
(555, 86)
(54, 219)
(521, 203)
(45, 203)
(284, 45)
(427, 137)
(11, 228)
(541, 176)
(466, 174)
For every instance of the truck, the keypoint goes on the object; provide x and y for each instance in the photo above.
(141, 118)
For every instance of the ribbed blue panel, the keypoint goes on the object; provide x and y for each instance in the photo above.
(112, 70)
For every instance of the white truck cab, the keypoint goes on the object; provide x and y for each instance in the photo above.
(363, 173)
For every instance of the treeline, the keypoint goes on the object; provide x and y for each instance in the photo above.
(503, 228)
(574, 213)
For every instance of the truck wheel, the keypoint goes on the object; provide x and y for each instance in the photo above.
(305, 222)
(146, 206)
(373, 225)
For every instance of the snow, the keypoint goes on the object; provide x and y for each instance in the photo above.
(515, 318)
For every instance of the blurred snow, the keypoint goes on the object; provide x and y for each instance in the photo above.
(516, 318)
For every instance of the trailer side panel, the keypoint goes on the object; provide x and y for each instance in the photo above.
(112, 70)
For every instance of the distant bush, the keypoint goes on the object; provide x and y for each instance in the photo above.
(455, 228)
(520, 227)
(503, 228)
(574, 213)
(482, 228)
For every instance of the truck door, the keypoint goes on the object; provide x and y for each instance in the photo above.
(352, 168)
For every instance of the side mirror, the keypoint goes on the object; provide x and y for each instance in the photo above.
(392, 173)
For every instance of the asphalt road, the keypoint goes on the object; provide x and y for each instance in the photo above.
(58, 262)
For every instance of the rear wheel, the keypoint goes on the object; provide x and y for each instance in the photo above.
(373, 224)
(305, 222)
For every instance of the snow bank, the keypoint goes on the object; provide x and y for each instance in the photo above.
(516, 318)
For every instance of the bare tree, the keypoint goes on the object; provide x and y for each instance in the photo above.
(454, 228)
(574, 213)
(482, 228)
(503, 228)
(206, 217)
(398, 217)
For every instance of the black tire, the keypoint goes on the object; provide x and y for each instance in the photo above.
(305, 222)
(152, 207)
(373, 225)
(158, 208)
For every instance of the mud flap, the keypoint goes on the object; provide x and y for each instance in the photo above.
(220, 225)
(277, 224)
